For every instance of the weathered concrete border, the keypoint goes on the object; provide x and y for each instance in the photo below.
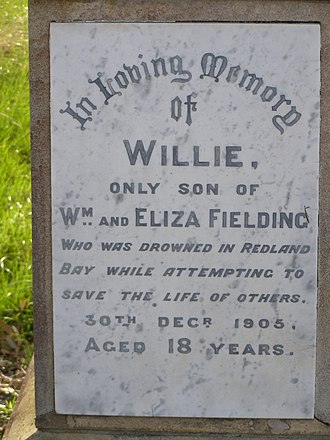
(41, 13)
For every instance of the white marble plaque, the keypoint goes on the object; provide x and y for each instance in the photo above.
(184, 201)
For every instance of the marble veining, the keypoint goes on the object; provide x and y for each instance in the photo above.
(185, 211)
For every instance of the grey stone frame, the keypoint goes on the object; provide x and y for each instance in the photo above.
(41, 13)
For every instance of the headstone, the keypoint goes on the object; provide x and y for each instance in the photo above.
(182, 180)
(185, 201)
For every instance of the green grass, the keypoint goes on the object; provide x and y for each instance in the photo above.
(15, 187)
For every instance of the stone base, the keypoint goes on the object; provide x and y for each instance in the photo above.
(22, 426)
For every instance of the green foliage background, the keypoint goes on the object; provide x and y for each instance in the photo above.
(15, 203)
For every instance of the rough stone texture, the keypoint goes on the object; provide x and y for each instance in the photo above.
(21, 424)
(277, 426)
(41, 14)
